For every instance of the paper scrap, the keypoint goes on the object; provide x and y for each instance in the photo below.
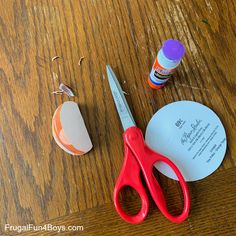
(57, 92)
(66, 89)
(54, 76)
(80, 60)
(125, 93)
(56, 57)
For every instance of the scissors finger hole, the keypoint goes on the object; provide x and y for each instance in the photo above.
(172, 192)
(129, 200)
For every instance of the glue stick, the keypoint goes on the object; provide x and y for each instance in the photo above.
(168, 58)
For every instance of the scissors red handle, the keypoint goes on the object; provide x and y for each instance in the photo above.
(139, 157)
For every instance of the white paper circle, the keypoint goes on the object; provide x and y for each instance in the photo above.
(191, 135)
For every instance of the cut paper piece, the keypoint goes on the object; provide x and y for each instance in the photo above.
(61, 137)
(56, 129)
(54, 58)
(80, 61)
(66, 89)
(191, 135)
(69, 131)
(60, 144)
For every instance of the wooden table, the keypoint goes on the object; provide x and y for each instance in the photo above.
(41, 184)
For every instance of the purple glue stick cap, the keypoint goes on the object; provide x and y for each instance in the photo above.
(173, 49)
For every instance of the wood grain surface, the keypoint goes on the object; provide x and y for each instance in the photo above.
(41, 184)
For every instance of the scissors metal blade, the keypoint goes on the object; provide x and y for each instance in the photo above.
(122, 107)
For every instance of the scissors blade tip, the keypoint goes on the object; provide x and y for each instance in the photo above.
(108, 68)
(109, 72)
(120, 101)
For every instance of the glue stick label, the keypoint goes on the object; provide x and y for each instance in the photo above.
(161, 71)
(156, 78)
(159, 75)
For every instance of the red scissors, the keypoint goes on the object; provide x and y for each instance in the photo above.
(140, 158)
